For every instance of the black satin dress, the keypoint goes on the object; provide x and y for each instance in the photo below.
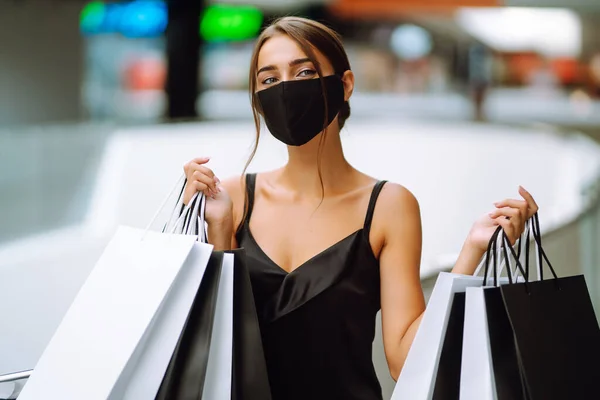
(318, 321)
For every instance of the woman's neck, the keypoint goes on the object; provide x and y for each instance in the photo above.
(302, 170)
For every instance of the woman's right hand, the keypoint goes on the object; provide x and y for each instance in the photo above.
(202, 179)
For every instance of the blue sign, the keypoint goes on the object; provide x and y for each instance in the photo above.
(140, 18)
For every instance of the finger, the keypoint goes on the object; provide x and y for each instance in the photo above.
(208, 172)
(512, 213)
(201, 160)
(512, 216)
(196, 170)
(192, 167)
(205, 179)
(514, 203)
(521, 205)
(508, 228)
(201, 187)
(532, 205)
(191, 188)
(194, 162)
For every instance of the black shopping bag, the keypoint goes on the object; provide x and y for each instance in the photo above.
(249, 378)
(505, 363)
(556, 333)
(447, 382)
(186, 374)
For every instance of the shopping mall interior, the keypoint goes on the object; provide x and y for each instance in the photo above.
(461, 101)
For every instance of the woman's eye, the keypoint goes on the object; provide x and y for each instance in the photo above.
(268, 81)
(307, 72)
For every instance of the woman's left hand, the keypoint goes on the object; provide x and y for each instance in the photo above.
(511, 214)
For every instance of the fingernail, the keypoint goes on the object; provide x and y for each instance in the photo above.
(217, 180)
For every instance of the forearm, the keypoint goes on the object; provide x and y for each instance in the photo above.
(403, 347)
(466, 264)
(219, 234)
(468, 259)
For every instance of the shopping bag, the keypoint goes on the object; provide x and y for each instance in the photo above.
(186, 371)
(489, 368)
(418, 376)
(427, 360)
(226, 362)
(556, 333)
(447, 381)
(219, 354)
(109, 316)
(143, 374)
(476, 374)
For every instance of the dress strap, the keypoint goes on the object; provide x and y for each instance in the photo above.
(250, 189)
(372, 201)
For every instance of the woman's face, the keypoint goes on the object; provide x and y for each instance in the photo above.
(281, 59)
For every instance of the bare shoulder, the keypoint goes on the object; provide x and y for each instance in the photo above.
(397, 212)
(396, 198)
(235, 186)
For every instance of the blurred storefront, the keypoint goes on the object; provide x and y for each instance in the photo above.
(396, 47)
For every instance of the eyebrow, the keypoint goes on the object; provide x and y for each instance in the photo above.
(292, 63)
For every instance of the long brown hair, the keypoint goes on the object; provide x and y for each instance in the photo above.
(309, 35)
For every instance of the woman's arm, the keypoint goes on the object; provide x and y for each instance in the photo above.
(222, 234)
(402, 302)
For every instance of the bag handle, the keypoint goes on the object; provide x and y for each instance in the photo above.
(540, 253)
(164, 203)
(492, 253)
(503, 262)
(185, 219)
(534, 226)
(192, 218)
(516, 257)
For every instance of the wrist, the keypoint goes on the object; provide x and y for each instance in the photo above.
(468, 259)
(219, 233)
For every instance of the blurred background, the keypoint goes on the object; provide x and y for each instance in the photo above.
(102, 102)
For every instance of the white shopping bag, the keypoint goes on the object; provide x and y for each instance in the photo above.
(477, 381)
(219, 371)
(476, 373)
(417, 379)
(109, 316)
(144, 373)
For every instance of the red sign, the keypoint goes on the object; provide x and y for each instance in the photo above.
(382, 9)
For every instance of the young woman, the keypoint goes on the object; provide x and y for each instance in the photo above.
(327, 245)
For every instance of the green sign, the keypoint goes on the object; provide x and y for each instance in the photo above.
(92, 16)
(230, 23)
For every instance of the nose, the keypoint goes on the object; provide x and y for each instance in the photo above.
(286, 76)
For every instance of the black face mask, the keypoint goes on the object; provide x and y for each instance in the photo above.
(294, 111)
